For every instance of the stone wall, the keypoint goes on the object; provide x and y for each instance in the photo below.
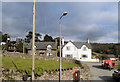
(9, 74)
(66, 73)
(26, 56)
(54, 52)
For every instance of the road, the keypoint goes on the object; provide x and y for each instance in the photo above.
(98, 73)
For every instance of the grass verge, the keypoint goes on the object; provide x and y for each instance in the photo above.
(21, 65)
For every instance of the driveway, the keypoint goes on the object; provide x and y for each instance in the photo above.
(98, 73)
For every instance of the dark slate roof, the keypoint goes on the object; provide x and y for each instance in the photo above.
(80, 44)
(43, 45)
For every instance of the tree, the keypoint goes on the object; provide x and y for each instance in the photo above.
(0, 36)
(20, 47)
(29, 37)
(117, 49)
(48, 38)
(37, 36)
(4, 37)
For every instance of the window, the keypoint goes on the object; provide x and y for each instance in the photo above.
(49, 47)
(75, 48)
(84, 56)
(41, 53)
(68, 48)
(49, 54)
(84, 49)
(69, 55)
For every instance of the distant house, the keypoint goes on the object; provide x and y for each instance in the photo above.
(112, 56)
(44, 48)
(2, 43)
(77, 50)
(11, 48)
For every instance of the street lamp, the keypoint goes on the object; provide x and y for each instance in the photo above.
(65, 13)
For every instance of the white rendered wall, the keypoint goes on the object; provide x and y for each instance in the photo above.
(77, 53)
(82, 52)
(73, 50)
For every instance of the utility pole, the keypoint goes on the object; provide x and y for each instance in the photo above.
(23, 46)
(33, 43)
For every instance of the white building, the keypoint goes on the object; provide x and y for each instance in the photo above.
(2, 43)
(77, 50)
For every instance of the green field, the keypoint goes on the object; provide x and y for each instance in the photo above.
(21, 65)
(97, 53)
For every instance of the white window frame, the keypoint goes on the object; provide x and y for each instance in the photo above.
(70, 55)
(84, 48)
(67, 48)
(49, 47)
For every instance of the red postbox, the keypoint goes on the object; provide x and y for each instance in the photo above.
(76, 75)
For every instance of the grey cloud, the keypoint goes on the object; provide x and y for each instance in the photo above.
(93, 20)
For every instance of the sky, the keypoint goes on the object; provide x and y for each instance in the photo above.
(97, 21)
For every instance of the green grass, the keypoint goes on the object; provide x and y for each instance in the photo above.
(94, 54)
(117, 65)
(21, 65)
(97, 53)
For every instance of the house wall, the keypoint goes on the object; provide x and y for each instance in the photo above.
(87, 52)
(45, 52)
(76, 53)
(73, 50)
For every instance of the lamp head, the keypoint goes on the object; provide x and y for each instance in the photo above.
(65, 13)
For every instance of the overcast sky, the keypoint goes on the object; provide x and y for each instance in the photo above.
(97, 21)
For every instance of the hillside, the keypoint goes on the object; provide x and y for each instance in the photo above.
(106, 48)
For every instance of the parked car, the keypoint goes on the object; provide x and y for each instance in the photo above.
(116, 75)
(108, 64)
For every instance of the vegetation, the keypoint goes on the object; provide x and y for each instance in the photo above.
(117, 65)
(48, 38)
(106, 48)
(19, 47)
(29, 37)
(4, 37)
(21, 65)
(99, 56)
(97, 53)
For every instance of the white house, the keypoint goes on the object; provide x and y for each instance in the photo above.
(2, 43)
(77, 50)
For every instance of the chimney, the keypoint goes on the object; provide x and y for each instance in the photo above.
(88, 41)
(63, 41)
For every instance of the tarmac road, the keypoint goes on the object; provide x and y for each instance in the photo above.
(99, 73)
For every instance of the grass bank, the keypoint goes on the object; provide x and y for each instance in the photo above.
(19, 64)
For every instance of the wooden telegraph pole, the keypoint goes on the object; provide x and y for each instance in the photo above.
(33, 42)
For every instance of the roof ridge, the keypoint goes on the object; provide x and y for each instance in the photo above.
(44, 42)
